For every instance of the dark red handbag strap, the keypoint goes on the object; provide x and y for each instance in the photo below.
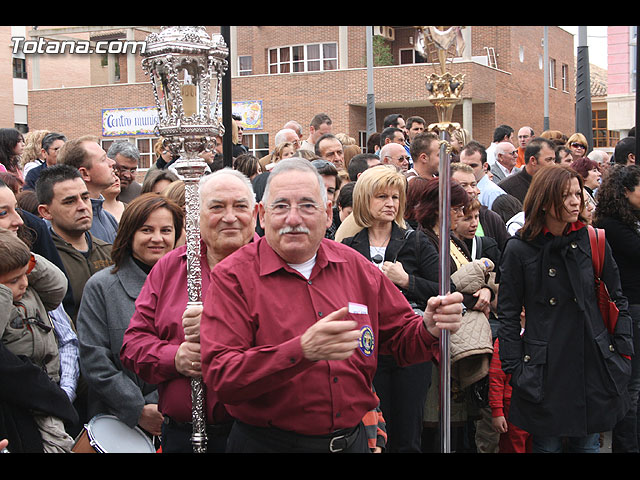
(597, 249)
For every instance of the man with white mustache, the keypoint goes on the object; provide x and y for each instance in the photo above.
(293, 323)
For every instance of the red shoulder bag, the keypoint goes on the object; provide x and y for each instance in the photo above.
(608, 308)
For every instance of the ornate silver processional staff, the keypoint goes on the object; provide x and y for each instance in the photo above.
(444, 93)
(186, 66)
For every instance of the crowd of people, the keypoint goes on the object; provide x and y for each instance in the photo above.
(321, 315)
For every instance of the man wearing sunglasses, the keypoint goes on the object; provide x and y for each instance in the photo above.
(539, 153)
(506, 157)
(396, 155)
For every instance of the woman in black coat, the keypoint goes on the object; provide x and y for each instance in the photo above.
(618, 213)
(569, 374)
(409, 260)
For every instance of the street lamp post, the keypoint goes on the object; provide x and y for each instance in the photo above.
(186, 67)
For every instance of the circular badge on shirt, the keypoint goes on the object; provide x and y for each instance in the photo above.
(367, 341)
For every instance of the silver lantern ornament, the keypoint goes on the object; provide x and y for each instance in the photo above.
(186, 66)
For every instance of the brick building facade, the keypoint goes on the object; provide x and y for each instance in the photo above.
(508, 90)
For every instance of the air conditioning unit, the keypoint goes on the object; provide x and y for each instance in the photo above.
(386, 32)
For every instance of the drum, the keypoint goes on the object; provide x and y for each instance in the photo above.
(107, 434)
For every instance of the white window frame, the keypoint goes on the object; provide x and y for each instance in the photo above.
(565, 77)
(249, 141)
(249, 71)
(302, 65)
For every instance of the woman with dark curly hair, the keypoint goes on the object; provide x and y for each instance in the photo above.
(11, 148)
(618, 213)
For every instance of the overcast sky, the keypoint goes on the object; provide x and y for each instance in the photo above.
(596, 41)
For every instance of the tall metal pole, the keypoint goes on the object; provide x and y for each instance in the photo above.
(227, 143)
(545, 57)
(445, 90)
(371, 104)
(192, 170)
(444, 175)
(636, 87)
(584, 120)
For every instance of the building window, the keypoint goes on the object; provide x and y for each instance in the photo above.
(245, 65)
(602, 137)
(256, 143)
(362, 140)
(552, 73)
(106, 144)
(19, 68)
(315, 57)
(410, 56)
(565, 77)
(145, 147)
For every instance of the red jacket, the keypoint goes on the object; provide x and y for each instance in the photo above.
(499, 387)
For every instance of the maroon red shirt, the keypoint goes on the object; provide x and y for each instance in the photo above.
(257, 308)
(155, 332)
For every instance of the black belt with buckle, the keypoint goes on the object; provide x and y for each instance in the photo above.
(335, 442)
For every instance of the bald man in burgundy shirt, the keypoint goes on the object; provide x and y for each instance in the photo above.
(293, 323)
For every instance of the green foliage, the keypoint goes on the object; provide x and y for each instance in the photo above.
(382, 55)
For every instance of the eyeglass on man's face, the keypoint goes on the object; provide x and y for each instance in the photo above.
(400, 158)
(121, 169)
(282, 209)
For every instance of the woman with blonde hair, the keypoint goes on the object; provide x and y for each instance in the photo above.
(282, 151)
(32, 154)
(578, 145)
(410, 261)
(459, 138)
